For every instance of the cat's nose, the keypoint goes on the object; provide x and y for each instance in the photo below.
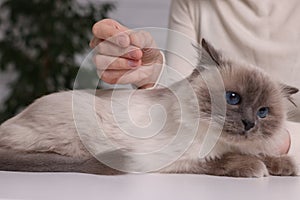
(248, 124)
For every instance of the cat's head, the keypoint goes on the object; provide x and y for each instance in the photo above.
(254, 101)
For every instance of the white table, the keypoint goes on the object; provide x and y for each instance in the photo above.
(55, 186)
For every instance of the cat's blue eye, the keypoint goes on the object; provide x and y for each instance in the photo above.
(263, 112)
(233, 98)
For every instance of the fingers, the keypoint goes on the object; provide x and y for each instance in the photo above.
(123, 56)
(111, 30)
(110, 56)
(109, 35)
(145, 41)
(142, 39)
(104, 62)
(110, 49)
(112, 76)
(141, 76)
(95, 41)
(121, 76)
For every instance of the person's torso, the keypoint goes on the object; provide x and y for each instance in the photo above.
(263, 33)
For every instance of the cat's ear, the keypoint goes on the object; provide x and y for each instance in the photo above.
(288, 91)
(209, 55)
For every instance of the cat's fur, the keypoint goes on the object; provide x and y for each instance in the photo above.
(44, 136)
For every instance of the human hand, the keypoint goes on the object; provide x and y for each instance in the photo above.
(285, 147)
(124, 56)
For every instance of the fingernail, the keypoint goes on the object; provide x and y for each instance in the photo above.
(123, 40)
(132, 63)
(132, 54)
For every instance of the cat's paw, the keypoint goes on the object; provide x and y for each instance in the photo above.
(280, 166)
(238, 165)
(250, 168)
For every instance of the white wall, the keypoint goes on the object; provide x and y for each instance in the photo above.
(132, 13)
(144, 13)
(141, 13)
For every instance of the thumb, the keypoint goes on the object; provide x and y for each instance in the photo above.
(146, 43)
(112, 31)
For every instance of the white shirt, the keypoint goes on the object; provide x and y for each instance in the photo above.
(264, 33)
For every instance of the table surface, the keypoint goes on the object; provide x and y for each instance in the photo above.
(40, 186)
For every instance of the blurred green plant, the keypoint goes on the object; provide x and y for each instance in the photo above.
(41, 41)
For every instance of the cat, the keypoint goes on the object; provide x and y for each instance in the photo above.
(60, 132)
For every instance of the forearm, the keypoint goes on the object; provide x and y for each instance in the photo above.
(294, 148)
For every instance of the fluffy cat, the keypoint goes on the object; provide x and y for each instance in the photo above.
(44, 136)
